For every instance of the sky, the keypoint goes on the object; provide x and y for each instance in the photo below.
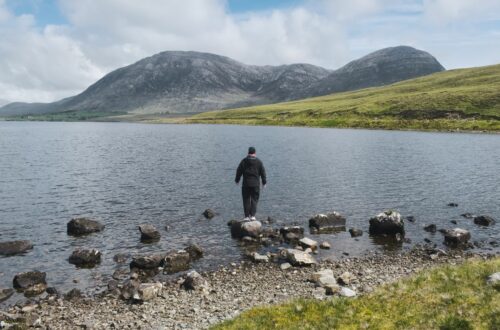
(51, 49)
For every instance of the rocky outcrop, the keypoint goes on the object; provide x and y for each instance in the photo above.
(83, 226)
(387, 223)
(10, 248)
(456, 236)
(327, 222)
(484, 220)
(240, 229)
(85, 258)
(31, 283)
(149, 233)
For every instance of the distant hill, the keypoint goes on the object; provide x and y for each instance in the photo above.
(182, 82)
(466, 99)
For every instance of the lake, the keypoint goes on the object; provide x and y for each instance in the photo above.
(126, 174)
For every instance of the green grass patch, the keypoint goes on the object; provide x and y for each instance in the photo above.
(465, 99)
(66, 116)
(448, 297)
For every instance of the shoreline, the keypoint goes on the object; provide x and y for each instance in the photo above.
(231, 290)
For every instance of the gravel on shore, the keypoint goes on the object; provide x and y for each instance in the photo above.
(233, 289)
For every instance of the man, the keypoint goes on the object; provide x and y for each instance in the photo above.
(253, 171)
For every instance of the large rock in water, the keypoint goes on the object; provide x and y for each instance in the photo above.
(456, 236)
(85, 258)
(147, 262)
(299, 258)
(14, 247)
(83, 226)
(30, 282)
(241, 229)
(387, 223)
(292, 234)
(176, 261)
(327, 222)
(195, 252)
(149, 233)
(484, 220)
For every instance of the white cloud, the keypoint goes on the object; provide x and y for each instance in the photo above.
(47, 63)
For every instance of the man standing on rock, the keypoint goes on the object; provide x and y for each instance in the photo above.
(253, 171)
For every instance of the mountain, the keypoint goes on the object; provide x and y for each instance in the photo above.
(180, 82)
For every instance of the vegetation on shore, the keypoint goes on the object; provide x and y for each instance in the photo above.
(464, 99)
(447, 297)
(72, 115)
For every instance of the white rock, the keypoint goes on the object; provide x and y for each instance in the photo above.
(259, 257)
(494, 279)
(325, 245)
(148, 291)
(324, 272)
(299, 258)
(346, 292)
(285, 266)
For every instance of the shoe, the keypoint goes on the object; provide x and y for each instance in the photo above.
(253, 219)
(246, 219)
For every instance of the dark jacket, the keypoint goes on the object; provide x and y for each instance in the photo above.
(252, 170)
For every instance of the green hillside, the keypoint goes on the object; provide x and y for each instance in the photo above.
(464, 99)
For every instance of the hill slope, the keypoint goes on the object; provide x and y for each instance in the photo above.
(456, 99)
(182, 82)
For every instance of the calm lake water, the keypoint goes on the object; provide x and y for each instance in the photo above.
(128, 174)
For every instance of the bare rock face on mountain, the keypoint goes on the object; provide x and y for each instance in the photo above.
(183, 82)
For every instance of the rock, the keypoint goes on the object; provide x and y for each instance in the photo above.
(194, 281)
(73, 294)
(14, 247)
(452, 204)
(345, 278)
(231, 222)
(259, 257)
(387, 223)
(355, 232)
(85, 258)
(149, 233)
(322, 273)
(484, 220)
(31, 281)
(299, 258)
(292, 234)
(325, 246)
(130, 289)
(453, 222)
(83, 226)
(176, 261)
(5, 293)
(29, 308)
(308, 243)
(147, 262)
(430, 228)
(241, 229)
(285, 266)
(209, 213)
(195, 252)
(346, 292)
(147, 291)
(468, 215)
(410, 218)
(494, 279)
(120, 258)
(456, 236)
(327, 222)
(331, 289)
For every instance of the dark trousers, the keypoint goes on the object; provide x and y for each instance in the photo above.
(250, 200)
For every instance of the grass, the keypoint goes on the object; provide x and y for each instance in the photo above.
(464, 99)
(448, 297)
(72, 115)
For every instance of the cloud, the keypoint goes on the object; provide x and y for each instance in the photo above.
(50, 62)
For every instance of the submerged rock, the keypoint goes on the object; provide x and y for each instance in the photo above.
(484, 220)
(31, 283)
(452, 204)
(85, 258)
(430, 228)
(456, 236)
(327, 222)
(355, 232)
(387, 223)
(209, 213)
(83, 226)
(15, 247)
(149, 233)
(240, 229)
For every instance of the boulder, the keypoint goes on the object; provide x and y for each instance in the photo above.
(176, 261)
(355, 232)
(83, 226)
(5, 293)
(321, 273)
(149, 233)
(308, 243)
(430, 228)
(325, 246)
(85, 258)
(195, 252)
(346, 292)
(147, 262)
(493, 279)
(147, 291)
(241, 229)
(256, 257)
(484, 220)
(14, 247)
(327, 222)
(387, 223)
(30, 280)
(209, 213)
(285, 266)
(194, 281)
(456, 236)
(299, 258)
(292, 234)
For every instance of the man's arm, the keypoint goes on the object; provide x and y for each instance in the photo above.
(263, 174)
(239, 173)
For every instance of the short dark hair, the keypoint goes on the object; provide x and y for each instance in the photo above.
(251, 150)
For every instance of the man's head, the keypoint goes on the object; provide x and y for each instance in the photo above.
(251, 151)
